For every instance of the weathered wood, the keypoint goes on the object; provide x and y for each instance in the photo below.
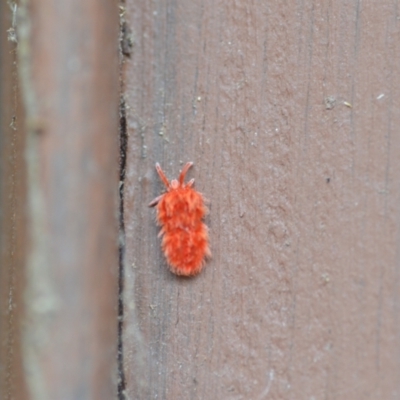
(68, 73)
(290, 112)
(12, 211)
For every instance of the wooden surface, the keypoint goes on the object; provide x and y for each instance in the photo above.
(67, 75)
(12, 213)
(290, 112)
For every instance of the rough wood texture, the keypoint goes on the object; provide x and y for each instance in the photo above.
(68, 69)
(290, 112)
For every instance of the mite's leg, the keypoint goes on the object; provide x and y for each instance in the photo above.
(155, 201)
(162, 175)
(184, 172)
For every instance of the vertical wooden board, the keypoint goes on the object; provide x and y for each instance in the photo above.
(289, 111)
(68, 68)
(12, 212)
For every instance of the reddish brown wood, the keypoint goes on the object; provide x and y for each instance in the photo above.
(290, 112)
(68, 72)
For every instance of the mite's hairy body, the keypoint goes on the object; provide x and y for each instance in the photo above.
(180, 213)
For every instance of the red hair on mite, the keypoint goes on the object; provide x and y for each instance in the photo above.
(180, 213)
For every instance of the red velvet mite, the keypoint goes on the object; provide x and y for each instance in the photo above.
(180, 213)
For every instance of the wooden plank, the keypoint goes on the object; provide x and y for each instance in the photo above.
(289, 111)
(12, 211)
(68, 69)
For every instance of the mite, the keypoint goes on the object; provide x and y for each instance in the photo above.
(180, 213)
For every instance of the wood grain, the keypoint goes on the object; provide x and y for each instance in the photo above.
(13, 220)
(67, 69)
(290, 112)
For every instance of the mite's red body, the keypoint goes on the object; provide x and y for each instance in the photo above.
(180, 213)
